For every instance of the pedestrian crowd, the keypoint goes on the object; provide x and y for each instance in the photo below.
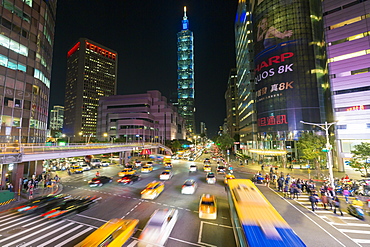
(31, 184)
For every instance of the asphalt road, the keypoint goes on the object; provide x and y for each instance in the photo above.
(123, 201)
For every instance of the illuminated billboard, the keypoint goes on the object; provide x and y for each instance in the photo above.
(290, 64)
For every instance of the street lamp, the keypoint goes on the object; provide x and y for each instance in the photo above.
(326, 126)
(105, 136)
(80, 134)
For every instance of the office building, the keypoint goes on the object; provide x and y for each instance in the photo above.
(232, 113)
(91, 74)
(290, 70)
(57, 117)
(146, 117)
(185, 74)
(347, 30)
(203, 129)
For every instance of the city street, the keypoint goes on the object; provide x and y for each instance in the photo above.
(321, 228)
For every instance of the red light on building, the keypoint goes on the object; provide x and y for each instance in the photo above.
(356, 108)
(73, 50)
(101, 51)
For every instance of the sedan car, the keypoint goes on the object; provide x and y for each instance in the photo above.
(99, 181)
(152, 190)
(105, 163)
(168, 165)
(166, 175)
(208, 207)
(137, 163)
(228, 177)
(40, 204)
(86, 167)
(128, 179)
(211, 178)
(221, 169)
(74, 205)
(126, 171)
(192, 168)
(146, 169)
(189, 187)
(207, 168)
(76, 169)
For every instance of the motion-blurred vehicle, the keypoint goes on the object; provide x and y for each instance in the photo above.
(191, 158)
(76, 169)
(137, 163)
(105, 163)
(189, 187)
(126, 171)
(149, 163)
(211, 178)
(228, 177)
(208, 207)
(74, 205)
(129, 179)
(207, 161)
(166, 175)
(40, 203)
(152, 190)
(146, 169)
(192, 168)
(115, 232)
(207, 168)
(168, 165)
(100, 181)
(221, 169)
(158, 228)
(95, 163)
(85, 167)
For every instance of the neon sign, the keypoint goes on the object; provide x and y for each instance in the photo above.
(272, 120)
(101, 51)
(73, 50)
(356, 108)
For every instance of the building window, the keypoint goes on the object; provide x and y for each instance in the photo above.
(341, 127)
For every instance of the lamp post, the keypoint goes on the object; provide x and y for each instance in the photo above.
(80, 134)
(68, 138)
(105, 136)
(326, 126)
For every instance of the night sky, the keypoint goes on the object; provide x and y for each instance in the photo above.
(144, 35)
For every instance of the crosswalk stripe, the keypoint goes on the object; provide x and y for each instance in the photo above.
(30, 229)
(362, 241)
(60, 236)
(21, 222)
(354, 231)
(73, 237)
(37, 239)
(349, 224)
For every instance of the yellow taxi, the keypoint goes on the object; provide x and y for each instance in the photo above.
(126, 171)
(146, 168)
(76, 169)
(115, 232)
(227, 177)
(152, 190)
(207, 168)
(208, 207)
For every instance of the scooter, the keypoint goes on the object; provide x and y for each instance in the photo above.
(356, 211)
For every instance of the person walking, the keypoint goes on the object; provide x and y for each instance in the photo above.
(30, 192)
(97, 174)
(346, 194)
(10, 187)
(267, 180)
(313, 199)
(336, 203)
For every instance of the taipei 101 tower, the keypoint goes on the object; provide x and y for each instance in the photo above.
(185, 74)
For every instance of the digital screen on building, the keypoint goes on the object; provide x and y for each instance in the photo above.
(287, 71)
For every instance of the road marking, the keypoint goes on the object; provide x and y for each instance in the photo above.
(215, 224)
(93, 218)
(133, 243)
(84, 224)
(189, 243)
(362, 241)
(22, 222)
(77, 234)
(350, 224)
(354, 231)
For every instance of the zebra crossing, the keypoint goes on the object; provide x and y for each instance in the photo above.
(18, 230)
(352, 227)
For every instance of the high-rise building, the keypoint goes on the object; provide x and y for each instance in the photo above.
(347, 33)
(26, 52)
(203, 128)
(290, 71)
(185, 74)
(56, 117)
(91, 74)
(231, 97)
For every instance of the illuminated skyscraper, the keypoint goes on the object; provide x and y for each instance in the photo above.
(91, 74)
(56, 117)
(185, 74)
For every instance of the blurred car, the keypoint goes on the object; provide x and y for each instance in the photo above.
(166, 175)
(158, 228)
(168, 165)
(207, 160)
(40, 203)
(192, 168)
(100, 181)
(208, 207)
(105, 163)
(85, 167)
(152, 190)
(149, 163)
(126, 171)
(228, 177)
(137, 163)
(115, 232)
(211, 178)
(129, 179)
(191, 158)
(146, 169)
(207, 168)
(221, 169)
(76, 169)
(74, 205)
(189, 187)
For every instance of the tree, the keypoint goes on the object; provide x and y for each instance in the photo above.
(361, 154)
(311, 146)
(224, 142)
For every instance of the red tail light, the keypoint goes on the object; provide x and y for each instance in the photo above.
(49, 212)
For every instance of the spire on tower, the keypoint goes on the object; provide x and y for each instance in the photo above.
(185, 17)
(185, 22)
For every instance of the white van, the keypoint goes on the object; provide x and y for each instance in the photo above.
(95, 163)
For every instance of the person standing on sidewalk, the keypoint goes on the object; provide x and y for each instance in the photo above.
(336, 203)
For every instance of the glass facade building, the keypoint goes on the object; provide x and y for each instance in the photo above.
(91, 74)
(57, 117)
(26, 52)
(185, 74)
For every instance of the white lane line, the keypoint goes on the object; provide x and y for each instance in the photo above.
(75, 235)
(7, 215)
(362, 241)
(45, 235)
(133, 243)
(349, 224)
(31, 234)
(215, 224)
(91, 218)
(21, 222)
(200, 232)
(84, 224)
(354, 231)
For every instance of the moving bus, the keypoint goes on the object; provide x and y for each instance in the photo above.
(255, 221)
